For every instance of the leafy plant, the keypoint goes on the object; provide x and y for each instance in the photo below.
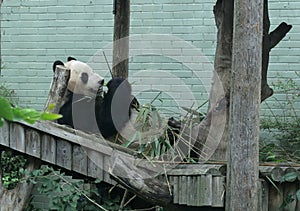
(9, 94)
(12, 169)
(284, 127)
(67, 194)
(8, 112)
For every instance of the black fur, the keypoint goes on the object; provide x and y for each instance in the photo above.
(57, 63)
(115, 110)
(111, 114)
(71, 58)
(78, 112)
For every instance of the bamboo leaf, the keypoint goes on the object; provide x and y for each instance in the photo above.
(50, 116)
(130, 141)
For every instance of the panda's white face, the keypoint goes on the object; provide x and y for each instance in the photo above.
(83, 80)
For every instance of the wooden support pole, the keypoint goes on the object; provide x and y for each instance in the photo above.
(0, 44)
(121, 38)
(242, 175)
(58, 89)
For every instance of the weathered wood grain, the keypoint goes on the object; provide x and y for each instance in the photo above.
(79, 160)
(218, 191)
(183, 190)
(33, 143)
(64, 154)
(58, 89)
(4, 134)
(95, 164)
(176, 190)
(124, 170)
(48, 145)
(17, 137)
(289, 189)
(275, 196)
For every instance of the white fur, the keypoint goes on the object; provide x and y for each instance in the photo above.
(75, 83)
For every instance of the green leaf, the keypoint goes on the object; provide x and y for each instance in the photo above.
(27, 114)
(50, 116)
(289, 177)
(271, 158)
(5, 109)
(51, 106)
(130, 141)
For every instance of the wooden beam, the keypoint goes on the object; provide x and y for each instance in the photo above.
(121, 38)
(242, 175)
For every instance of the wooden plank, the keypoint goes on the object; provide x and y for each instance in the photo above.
(189, 185)
(289, 189)
(48, 150)
(192, 191)
(183, 190)
(175, 189)
(275, 197)
(64, 154)
(17, 137)
(208, 190)
(195, 169)
(33, 143)
(91, 141)
(298, 201)
(260, 193)
(205, 195)
(95, 164)
(4, 134)
(218, 191)
(265, 195)
(199, 199)
(107, 165)
(80, 160)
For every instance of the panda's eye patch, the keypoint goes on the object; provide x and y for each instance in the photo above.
(84, 78)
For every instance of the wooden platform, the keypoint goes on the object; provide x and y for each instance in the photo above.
(90, 155)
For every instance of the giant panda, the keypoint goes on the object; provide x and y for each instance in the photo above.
(114, 114)
(82, 88)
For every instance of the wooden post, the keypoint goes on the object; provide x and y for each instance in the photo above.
(58, 89)
(0, 43)
(242, 174)
(121, 38)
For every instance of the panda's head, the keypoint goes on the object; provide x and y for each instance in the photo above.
(83, 80)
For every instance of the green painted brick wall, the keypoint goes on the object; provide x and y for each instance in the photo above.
(172, 46)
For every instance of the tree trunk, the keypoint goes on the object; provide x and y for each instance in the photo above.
(17, 198)
(121, 38)
(211, 132)
(139, 180)
(270, 40)
(242, 170)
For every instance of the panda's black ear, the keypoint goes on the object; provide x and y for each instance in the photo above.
(57, 63)
(71, 58)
